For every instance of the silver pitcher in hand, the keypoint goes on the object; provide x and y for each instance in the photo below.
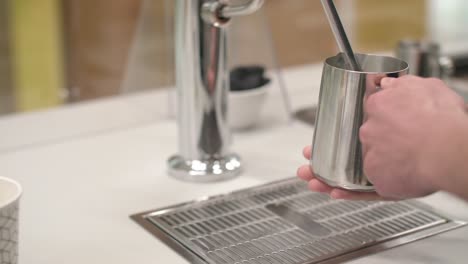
(336, 152)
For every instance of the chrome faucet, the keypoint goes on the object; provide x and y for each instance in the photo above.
(202, 89)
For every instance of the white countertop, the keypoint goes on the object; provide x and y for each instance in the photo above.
(86, 167)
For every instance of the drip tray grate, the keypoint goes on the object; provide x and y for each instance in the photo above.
(283, 222)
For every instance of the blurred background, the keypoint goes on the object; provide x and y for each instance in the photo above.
(56, 52)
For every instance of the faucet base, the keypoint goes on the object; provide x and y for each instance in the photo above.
(211, 170)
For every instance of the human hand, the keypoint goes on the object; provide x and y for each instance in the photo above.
(414, 141)
(305, 172)
(414, 137)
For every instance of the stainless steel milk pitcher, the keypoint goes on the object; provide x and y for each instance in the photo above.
(336, 149)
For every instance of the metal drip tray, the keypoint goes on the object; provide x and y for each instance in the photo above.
(283, 222)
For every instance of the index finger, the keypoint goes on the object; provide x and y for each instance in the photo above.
(307, 152)
(386, 82)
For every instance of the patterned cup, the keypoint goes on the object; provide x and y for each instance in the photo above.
(10, 192)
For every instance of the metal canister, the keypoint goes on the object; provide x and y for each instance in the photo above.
(423, 57)
(336, 152)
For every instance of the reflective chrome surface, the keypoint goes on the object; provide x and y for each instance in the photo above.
(246, 8)
(284, 223)
(336, 153)
(205, 170)
(202, 88)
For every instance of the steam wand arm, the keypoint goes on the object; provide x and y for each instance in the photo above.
(240, 10)
(340, 34)
(219, 13)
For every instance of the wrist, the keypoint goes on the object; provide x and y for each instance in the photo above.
(455, 177)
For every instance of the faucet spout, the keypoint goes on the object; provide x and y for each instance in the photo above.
(202, 88)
